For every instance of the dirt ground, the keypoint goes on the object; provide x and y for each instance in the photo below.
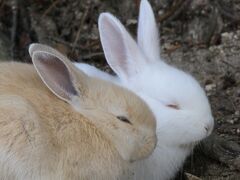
(201, 36)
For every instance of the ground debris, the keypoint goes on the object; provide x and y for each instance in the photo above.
(192, 177)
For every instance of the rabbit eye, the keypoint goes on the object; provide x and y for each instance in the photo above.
(124, 119)
(174, 106)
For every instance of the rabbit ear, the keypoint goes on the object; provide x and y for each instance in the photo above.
(121, 51)
(147, 37)
(55, 71)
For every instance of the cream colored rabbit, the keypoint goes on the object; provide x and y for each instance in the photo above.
(73, 127)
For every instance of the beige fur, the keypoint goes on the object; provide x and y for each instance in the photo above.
(57, 135)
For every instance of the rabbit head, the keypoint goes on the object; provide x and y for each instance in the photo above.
(120, 115)
(179, 103)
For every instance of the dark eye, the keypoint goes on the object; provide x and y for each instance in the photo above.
(173, 106)
(124, 119)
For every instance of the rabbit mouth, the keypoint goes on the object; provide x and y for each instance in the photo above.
(196, 142)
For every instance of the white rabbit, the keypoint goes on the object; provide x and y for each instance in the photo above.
(179, 103)
(73, 127)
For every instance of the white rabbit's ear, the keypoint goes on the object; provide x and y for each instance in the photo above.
(147, 36)
(121, 51)
(55, 73)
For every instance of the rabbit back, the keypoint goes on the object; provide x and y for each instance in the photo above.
(43, 137)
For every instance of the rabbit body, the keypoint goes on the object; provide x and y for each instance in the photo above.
(73, 132)
(42, 137)
(94, 72)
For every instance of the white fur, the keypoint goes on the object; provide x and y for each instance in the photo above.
(94, 72)
(146, 25)
(140, 69)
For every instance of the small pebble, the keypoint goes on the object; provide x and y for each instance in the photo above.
(237, 113)
(210, 87)
(231, 121)
(228, 92)
(131, 21)
(227, 36)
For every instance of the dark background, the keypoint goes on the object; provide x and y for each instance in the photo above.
(200, 36)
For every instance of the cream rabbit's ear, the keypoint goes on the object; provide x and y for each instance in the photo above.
(55, 74)
(57, 71)
(148, 36)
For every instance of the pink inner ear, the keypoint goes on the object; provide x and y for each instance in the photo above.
(174, 106)
(55, 75)
(114, 47)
